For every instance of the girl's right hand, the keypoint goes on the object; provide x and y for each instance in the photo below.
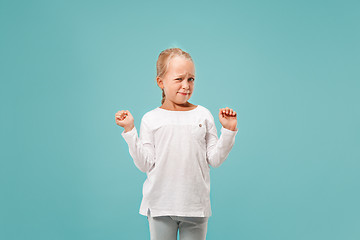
(124, 119)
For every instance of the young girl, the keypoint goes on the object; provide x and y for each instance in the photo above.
(178, 141)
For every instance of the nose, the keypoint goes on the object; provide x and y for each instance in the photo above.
(185, 85)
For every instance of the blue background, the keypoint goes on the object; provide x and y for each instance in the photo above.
(290, 69)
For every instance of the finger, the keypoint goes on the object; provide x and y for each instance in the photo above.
(121, 116)
(118, 113)
(221, 113)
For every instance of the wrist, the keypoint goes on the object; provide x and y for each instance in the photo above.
(231, 129)
(128, 129)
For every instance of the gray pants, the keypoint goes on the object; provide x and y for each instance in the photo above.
(166, 227)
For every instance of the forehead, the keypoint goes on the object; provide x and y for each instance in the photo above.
(181, 66)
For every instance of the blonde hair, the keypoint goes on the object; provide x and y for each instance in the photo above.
(163, 62)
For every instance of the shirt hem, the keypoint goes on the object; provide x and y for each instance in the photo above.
(158, 213)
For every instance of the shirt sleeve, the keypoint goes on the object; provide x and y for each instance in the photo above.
(218, 149)
(141, 149)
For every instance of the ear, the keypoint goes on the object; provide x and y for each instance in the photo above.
(160, 82)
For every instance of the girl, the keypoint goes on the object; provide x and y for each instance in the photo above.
(178, 141)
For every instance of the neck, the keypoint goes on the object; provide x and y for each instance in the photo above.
(176, 107)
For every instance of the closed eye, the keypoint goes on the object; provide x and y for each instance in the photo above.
(193, 79)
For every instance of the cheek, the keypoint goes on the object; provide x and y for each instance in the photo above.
(174, 88)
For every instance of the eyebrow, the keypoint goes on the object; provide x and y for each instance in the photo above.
(181, 75)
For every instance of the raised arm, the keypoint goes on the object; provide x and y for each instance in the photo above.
(141, 149)
(218, 149)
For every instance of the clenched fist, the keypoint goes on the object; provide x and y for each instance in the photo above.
(124, 119)
(228, 118)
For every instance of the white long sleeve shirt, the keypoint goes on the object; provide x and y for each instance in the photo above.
(175, 150)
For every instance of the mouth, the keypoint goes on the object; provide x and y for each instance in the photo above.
(184, 93)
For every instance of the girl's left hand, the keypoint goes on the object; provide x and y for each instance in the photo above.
(228, 118)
